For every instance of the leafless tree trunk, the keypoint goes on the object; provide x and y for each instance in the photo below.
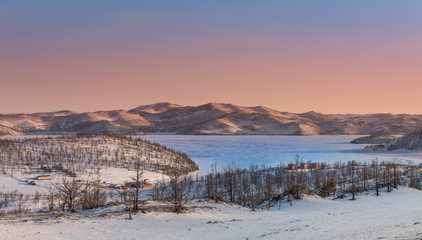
(178, 189)
(69, 191)
(137, 179)
(365, 176)
(352, 169)
(298, 181)
(375, 167)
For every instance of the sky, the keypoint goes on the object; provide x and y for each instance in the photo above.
(328, 56)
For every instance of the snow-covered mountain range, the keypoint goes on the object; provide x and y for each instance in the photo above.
(211, 118)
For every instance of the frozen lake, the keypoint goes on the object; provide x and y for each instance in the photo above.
(268, 150)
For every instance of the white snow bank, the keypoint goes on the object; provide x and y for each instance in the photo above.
(395, 215)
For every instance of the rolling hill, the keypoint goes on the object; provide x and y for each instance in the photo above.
(209, 119)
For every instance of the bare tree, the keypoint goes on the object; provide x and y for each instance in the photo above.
(376, 169)
(352, 171)
(137, 179)
(69, 192)
(177, 190)
(93, 195)
(215, 181)
(396, 177)
(298, 160)
(365, 176)
(230, 181)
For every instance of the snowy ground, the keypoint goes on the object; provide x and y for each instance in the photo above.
(396, 215)
(10, 183)
(16, 183)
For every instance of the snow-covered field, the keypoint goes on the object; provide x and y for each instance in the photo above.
(10, 183)
(396, 215)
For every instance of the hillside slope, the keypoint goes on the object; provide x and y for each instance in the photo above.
(85, 152)
(211, 118)
(410, 141)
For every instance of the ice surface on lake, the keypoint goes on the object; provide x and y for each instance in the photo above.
(268, 150)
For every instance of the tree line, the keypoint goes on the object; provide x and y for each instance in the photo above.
(249, 187)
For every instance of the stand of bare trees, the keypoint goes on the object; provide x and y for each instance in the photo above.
(73, 195)
(248, 187)
(137, 180)
(177, 190)
(83, 153)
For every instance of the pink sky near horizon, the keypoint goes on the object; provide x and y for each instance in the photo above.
(319, 68)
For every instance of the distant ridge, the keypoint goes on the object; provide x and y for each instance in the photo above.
(211, 119)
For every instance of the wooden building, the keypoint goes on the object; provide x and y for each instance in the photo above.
(314, 166)
(144, 184)
(44, 177)
(291, 167)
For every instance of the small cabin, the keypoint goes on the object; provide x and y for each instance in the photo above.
(291, 167)
(44, 177)
(304, 165)
(314, 166)
(145, 184)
